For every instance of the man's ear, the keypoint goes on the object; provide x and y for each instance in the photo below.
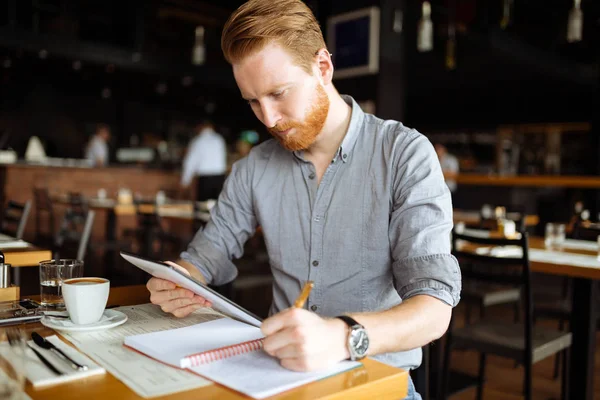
(325, 66)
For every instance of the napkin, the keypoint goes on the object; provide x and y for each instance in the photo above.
(39, 375)
(501, 251)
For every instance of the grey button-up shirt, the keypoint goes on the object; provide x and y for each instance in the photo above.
(374, 232)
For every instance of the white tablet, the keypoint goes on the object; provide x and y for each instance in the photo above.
(168, 272)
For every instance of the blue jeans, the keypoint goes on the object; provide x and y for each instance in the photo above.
(412, 393)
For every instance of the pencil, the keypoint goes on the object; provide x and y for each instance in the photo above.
(299, 303)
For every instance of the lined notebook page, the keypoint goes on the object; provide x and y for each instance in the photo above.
(255, 373)
(173, 345)
(259, 375)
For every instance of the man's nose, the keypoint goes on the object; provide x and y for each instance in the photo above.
(270, 115)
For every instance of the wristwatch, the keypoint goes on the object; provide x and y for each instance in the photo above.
(358, 340)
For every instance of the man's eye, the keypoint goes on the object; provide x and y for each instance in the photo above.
(278, 95)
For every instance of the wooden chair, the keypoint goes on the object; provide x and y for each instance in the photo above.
(519, 341)
(149, 230)
(14, 218)
(487, 294)
(44, 211)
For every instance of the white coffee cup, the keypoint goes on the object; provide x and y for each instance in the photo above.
(85, 298)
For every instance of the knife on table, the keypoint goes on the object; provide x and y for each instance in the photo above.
(45, 344)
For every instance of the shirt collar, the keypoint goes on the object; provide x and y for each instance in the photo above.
(356, 120)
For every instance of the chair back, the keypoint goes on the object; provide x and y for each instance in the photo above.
(75, 230)
(481, 260)
(14, 219)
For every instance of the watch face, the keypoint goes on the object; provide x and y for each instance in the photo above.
(360, 342)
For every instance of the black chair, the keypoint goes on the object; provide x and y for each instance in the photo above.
(14, 218)
(44, 212)
(74, 232)
(149, 230)
(487, 294)
(519, 341)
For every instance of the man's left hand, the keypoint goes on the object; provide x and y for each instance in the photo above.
(303, 341)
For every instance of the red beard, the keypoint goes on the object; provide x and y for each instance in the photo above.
(305, 132)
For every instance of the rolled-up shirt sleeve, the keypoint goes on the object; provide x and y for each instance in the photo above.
(421, 223)
(232, 222)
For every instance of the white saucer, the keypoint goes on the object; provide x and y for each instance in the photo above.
(110, 319)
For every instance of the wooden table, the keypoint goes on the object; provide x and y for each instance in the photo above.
(583, 319)
(473, 217)
(373, 380)
(26, 257)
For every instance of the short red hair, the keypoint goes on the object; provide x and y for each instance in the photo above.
(288, 23)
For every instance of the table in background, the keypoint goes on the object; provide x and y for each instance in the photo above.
(583, 319)
(373, 380)
(472, 217)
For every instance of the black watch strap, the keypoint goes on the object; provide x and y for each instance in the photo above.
(349, 321)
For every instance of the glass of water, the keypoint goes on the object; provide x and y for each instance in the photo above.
(12, 364)
(555, 236)
(52, 273)
(549, 237)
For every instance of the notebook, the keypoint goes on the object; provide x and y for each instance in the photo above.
(228, 352)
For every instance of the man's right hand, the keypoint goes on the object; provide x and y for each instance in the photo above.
(173, 299)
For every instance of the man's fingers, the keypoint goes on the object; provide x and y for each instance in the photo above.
(292, 350)
(178, 267)
(157, 284)
(290, 336)
(296, 364)
(284, 319)
(171, 306)
(164, 296)
(187, 310)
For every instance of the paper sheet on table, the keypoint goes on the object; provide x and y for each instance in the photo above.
(143, 375)
(560, 258)
(580, 245)
(10, 242)
(40, 375)
(14, 244)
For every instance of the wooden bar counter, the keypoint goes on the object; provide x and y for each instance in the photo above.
(559, 181)
(18, 181)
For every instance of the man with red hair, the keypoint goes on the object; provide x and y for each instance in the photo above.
(353, 203)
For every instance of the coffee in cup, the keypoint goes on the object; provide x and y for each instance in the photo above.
(85, 298)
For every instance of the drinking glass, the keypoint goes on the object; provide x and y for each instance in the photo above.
(555, 236)
(12, 364)
(52, 273)
(559, 236)
(549, 237)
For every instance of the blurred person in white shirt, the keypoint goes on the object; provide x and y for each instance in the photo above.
(97, 149)
(206, 158)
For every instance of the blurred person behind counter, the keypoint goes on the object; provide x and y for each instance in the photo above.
(97, 149)
(206, 158)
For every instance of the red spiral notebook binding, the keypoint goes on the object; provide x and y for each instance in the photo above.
(206, 357)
